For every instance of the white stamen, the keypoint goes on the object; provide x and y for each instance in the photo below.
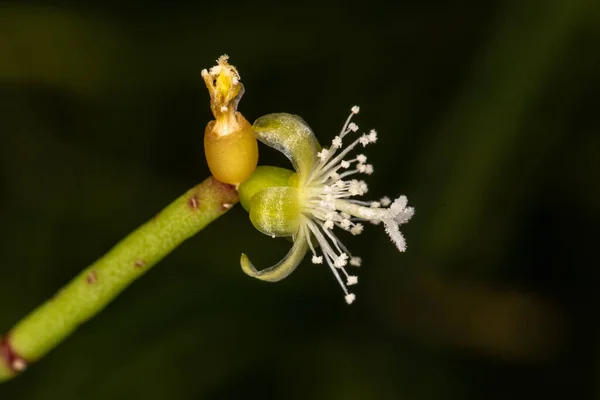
(327, 201)
(323, 154)
(337, 142)
(355, 261)
(373, 136)
(357, 229)
(350, 297)
(341, 261)
(363, 187)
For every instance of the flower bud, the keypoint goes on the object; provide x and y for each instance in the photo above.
(230, 147)
(231, 157)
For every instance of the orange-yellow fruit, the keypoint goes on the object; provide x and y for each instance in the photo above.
(231, 150)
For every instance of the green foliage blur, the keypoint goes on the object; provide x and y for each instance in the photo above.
(487, 121)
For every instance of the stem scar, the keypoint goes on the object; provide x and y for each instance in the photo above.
(92, 277)
(14, 361)
(193, 202)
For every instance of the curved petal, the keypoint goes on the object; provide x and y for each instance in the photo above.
(292, 136)
(283, 268)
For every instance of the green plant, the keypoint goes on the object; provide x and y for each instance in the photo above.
(305, 204)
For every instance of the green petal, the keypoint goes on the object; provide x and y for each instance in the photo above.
(283, 268)
(275, 211)
(292, 136)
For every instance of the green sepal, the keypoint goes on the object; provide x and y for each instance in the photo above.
(275, 211)
(263, 177)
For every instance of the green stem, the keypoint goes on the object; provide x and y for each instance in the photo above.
(96, 286)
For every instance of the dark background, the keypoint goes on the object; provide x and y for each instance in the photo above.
(487, 121)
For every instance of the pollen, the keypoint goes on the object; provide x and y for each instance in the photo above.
(337, 142)
(350, 297)
(352, 280)
(373, 136)
(355, 261)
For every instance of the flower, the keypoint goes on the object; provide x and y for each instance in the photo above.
(230, 147)
(321, 197)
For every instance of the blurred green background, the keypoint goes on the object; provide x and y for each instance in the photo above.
(488, 122)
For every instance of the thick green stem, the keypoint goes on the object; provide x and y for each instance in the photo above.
(96, 286)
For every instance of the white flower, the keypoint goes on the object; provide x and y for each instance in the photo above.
(323, 200)
(328, 200)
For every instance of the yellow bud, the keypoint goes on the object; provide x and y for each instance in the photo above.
(231, 157)
(230, 146)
